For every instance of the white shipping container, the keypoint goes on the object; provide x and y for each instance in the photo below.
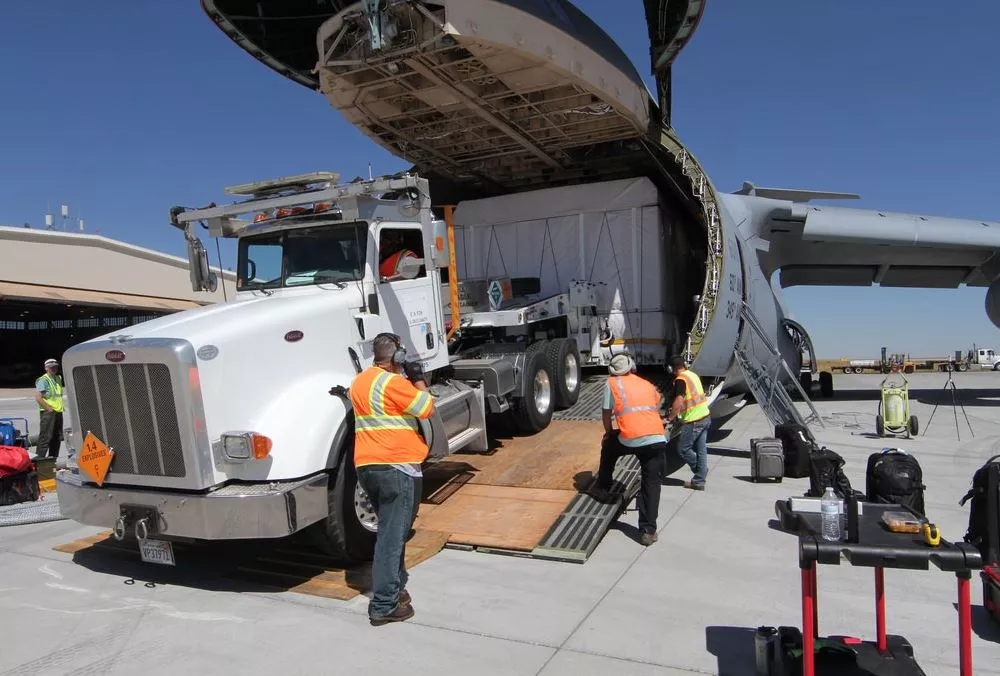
(610, 232)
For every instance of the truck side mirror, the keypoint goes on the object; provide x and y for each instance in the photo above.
(202, 278)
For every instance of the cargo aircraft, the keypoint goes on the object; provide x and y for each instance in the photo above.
(495, 97)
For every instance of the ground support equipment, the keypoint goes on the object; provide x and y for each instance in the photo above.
(872, 545)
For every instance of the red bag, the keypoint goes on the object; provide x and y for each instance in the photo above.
(13, 460)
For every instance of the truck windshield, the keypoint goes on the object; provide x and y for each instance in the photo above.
(328, 254)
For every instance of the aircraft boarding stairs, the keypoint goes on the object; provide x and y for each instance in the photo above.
(579, 529)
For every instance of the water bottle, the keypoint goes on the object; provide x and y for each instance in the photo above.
(830, 514)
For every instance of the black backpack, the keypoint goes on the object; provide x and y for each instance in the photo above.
(984, 517)
(826, 468)
(894, 477)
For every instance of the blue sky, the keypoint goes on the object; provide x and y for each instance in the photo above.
(123, 109)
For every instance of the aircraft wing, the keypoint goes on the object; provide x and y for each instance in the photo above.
(838, 246)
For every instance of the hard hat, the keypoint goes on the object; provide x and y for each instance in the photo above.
(51, 362)
(620, 365)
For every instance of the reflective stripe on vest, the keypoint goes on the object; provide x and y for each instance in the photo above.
(695, 406)
(382, 433)
(636, 406)
(55, 390)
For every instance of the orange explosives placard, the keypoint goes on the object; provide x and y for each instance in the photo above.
(95, 458)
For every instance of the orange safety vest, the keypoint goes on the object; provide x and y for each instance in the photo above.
(695, 406)
(387, 268)
(636, 406)
(386, 409)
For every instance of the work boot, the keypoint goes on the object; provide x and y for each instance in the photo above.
(646, 539)
(694, 486)
(401, 613)
(404, 597)
(603, 495)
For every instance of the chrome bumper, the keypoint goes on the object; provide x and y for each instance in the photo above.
(232, 512)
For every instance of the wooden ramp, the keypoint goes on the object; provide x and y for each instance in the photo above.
(523, 498)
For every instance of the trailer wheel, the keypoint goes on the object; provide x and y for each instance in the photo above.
(880, 426)
(847, 370)
(826, 384)
(348, 531)
(533, 412)
(564, 364)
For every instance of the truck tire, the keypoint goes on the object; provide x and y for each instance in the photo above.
(342, 534)
(563, 357)
(533, 412)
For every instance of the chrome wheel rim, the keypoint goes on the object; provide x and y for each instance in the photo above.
(543, 392)
(364, 509)
(572, 372)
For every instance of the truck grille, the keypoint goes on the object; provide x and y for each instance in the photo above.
(131, 408)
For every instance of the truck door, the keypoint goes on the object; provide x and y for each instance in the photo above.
(407, 297)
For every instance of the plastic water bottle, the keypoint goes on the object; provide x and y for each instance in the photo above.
(829, 507)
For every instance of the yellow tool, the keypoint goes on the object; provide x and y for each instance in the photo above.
(932, 535)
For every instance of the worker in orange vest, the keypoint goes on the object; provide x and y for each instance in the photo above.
(634, 404)
(388, 453)
(392, 252)
(690, 405)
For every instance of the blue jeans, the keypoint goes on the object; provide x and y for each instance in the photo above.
(395, 497)
(693, 448)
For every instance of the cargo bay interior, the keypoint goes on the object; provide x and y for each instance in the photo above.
(58, 289)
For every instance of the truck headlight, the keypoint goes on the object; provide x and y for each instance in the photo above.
(245, 445)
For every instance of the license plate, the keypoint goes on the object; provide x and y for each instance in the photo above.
(156, 551)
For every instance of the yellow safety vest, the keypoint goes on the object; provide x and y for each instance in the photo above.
(695, 406)
(55, 389)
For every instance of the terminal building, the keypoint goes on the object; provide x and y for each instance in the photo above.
(58, 289)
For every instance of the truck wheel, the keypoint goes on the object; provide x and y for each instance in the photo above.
(963, 367)
(858, 370)
(564, 364)
(348, 531)
(533, 412)
(826, 384)
(848, 370)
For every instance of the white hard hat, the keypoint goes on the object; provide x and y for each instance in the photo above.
(51, 362)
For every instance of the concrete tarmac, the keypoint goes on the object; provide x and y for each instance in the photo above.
(686, 605)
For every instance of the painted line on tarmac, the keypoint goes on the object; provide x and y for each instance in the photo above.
(16, 399)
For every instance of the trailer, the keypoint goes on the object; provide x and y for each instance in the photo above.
(233, 420)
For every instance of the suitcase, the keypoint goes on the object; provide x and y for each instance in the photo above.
(797, 447)
(767, 460)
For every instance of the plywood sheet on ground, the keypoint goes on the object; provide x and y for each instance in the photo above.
(497, 516)
(282, 565)
(563, 456)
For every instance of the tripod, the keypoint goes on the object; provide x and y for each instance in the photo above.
(951, 383)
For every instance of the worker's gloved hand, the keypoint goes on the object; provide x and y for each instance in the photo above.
(414, 371)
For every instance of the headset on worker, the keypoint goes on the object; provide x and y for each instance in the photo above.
(399, 356)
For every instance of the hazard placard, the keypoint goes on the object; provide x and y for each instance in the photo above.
(95, 458)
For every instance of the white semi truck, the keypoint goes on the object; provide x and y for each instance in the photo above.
(233, 421)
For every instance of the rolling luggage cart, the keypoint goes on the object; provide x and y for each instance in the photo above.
(870, 544)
